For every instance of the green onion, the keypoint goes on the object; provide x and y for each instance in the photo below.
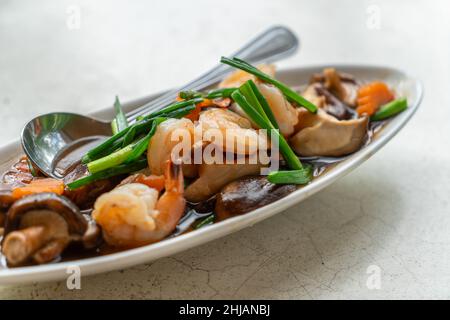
(289, 155)
(106, 145)
(220, 93)
(257, 100)
(288, 92)
(121, 120)
(142, 145)
(190, 94)
(114, 127)
(302, 176)
(207, 221)
(174, 107)
(180, 113)
(131, 134)
(111, 172)
(213, 94)
(390, 109)
(111, 160)
(114, 147)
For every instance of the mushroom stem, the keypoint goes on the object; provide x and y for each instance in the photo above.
(19, 245)
(50, 251)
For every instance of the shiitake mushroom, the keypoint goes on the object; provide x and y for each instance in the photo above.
(40, 226)
(247, 194)
(6, 200)
(85, 196)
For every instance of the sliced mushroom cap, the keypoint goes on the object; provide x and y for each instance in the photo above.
(247, 194)
(6, 200)
(323, 135)
(85, 196)
(323, 99)
(213, 177)
(342, 85)
(40, 226)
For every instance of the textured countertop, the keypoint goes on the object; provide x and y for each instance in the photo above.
(389, 220)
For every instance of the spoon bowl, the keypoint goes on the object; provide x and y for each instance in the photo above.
(56, 141)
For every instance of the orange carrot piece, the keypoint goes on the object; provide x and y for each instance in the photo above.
(372, 96)
(155, 182)
(206, 103)
(194, 114)
(39, 186)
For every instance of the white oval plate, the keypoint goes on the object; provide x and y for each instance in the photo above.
(404, 85)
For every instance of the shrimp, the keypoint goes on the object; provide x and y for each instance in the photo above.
(285, 114)
(132, 215)
(163, 142)
(236, 132)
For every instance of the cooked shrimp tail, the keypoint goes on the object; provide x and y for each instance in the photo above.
(174, 178)
(172, 203)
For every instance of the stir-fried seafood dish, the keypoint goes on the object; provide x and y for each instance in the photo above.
(206, 157)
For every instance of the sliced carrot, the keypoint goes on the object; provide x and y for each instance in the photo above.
(39, 186)
(206, 103)
(194, 114)
(155, 182)
(372, 96)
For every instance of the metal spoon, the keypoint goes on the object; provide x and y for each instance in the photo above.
(53, 142)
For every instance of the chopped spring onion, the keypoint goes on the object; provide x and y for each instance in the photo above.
(108, 173)
(258, 101)
(213, 94)
(142, 145)
(289, 155)
(190, 94)
(288, 92)
(120, 120)
(174, 107)
(114, 127)
(390, 109)
(111, 160)
(302, 176)
(220, 93)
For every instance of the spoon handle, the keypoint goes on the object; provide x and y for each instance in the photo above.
(275, 43)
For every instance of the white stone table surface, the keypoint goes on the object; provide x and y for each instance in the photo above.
(393, 212)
